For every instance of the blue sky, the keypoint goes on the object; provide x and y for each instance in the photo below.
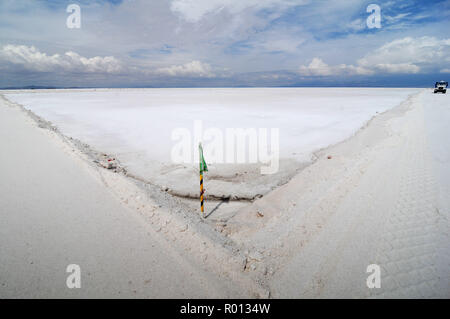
(159, 43)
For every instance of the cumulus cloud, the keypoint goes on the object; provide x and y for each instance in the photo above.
(192, 69)
(407, 55)
(402, 56)
(319, 68)
(32, 59)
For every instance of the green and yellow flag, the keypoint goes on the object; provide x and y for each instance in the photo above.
(203, 167)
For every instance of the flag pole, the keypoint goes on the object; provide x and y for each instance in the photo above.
(203, 168)
(201, 194)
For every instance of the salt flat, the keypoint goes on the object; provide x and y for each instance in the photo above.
(136, 126)
(380, 197)
(55, 211)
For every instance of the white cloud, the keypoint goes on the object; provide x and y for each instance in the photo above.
(107, 64)
(32, 59)
(194, 10)
(407, 55)
(316, 67)
(319, 68)
(398, 67)
(403, 56)
(193, 69)
(356, 25)
(396, 18)
(445, 71)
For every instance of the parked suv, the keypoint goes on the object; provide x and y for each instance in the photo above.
(440, 86)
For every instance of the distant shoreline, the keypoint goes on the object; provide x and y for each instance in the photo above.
(198, 87)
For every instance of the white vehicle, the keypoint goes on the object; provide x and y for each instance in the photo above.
(440, 86)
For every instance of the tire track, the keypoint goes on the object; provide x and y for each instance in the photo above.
(409, 249)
